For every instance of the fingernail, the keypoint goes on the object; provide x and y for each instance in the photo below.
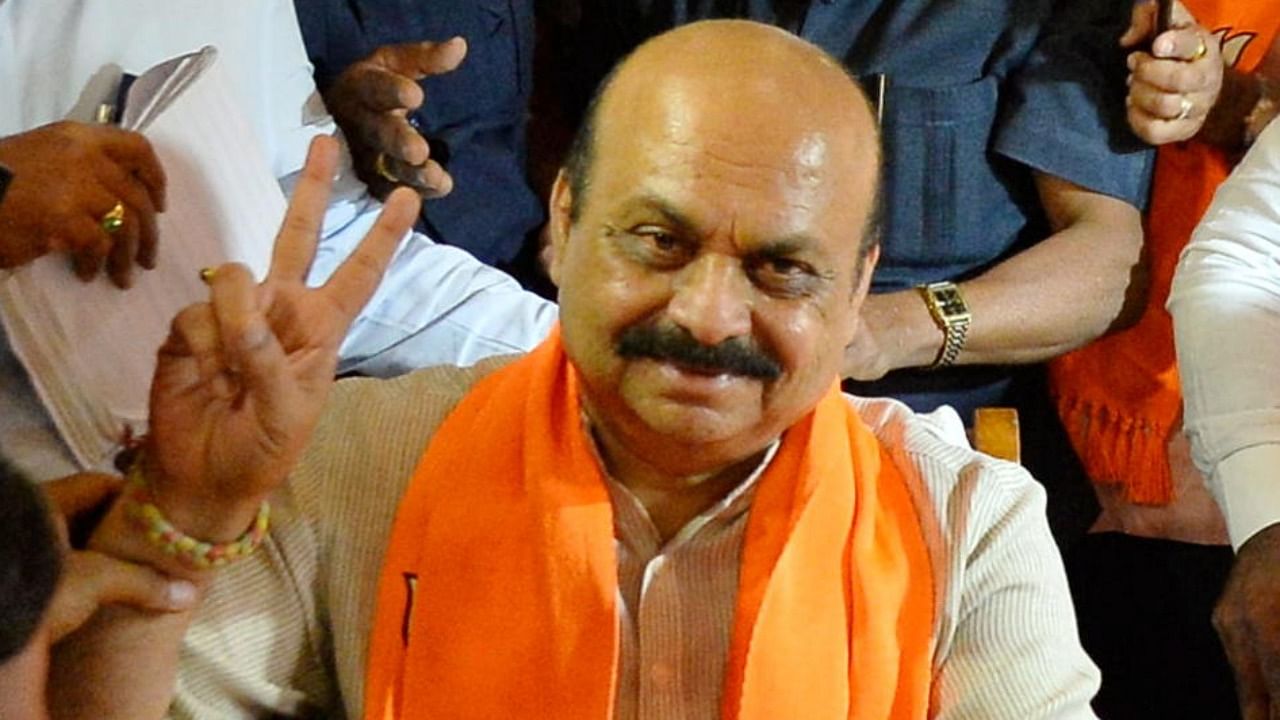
(182, 594)
(206, 275)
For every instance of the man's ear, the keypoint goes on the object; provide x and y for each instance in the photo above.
(559, 222)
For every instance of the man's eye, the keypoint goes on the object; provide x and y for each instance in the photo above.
(659, 240)
(658, 247)
(783, 276)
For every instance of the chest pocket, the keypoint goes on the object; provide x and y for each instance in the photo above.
(947, 210)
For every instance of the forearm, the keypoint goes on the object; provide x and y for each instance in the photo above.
(1066, 291)
(1070, 288)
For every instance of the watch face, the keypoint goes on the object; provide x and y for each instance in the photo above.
(950, 302)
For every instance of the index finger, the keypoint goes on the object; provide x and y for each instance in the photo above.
(354, 282)
(300, 232)
(1142, 23)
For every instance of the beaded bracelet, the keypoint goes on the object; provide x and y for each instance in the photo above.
(191, 552)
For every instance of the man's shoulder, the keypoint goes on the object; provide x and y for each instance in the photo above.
(425, 388)
(375, 430)
(932, 450)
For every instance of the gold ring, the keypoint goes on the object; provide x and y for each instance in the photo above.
(1184, 108)
(1200, 51)
(113, 220)
(206, 275)
(380, 167)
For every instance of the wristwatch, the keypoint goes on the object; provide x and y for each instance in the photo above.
(951, 314)
(6, 176)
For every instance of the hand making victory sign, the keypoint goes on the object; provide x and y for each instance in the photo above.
(242, 379)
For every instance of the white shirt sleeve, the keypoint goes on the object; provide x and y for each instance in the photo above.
(1225, 303)
(436, 305)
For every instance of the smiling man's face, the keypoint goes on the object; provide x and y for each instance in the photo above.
(714, 272)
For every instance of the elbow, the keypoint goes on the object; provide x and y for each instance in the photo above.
(1134, 295)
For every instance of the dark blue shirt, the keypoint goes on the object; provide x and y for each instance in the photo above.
(980, 95)
(475, 116)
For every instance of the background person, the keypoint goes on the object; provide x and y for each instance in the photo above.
(1223, 303)
(1146, 579)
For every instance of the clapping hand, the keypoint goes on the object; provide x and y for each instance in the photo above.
(242, 379)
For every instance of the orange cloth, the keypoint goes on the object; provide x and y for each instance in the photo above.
(1119, 397)
(508, 524)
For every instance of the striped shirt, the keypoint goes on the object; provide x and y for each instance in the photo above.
(285, 632)
(677, 603)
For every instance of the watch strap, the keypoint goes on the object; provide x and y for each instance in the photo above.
(953, 323)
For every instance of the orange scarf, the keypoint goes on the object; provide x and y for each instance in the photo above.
(1119, 396)
(508, 525)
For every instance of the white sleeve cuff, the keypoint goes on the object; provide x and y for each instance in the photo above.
(1247, 485)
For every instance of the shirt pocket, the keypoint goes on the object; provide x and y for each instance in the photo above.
(947, 211)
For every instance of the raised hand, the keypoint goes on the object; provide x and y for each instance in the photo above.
(1173, 87)
(241, 380)
(371, 101)
(67, 180)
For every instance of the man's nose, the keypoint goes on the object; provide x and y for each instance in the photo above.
(711, 298)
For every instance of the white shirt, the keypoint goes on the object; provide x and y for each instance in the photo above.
(1226, 310)
(61, 58)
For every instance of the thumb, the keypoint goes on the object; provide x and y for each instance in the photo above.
(419, 60)
(1142, 23)
(91, 580)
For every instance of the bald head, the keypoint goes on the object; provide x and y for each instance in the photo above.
(726, 85)
(712, 269)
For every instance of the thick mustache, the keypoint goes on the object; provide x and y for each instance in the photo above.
(673, 344)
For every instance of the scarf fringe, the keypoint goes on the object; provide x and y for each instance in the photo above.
(1119, 449)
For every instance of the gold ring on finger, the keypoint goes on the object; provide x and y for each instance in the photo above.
(113, 220)
(380, 167)
(1201, 51)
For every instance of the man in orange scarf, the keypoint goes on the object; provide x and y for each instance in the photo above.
(667, 510)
